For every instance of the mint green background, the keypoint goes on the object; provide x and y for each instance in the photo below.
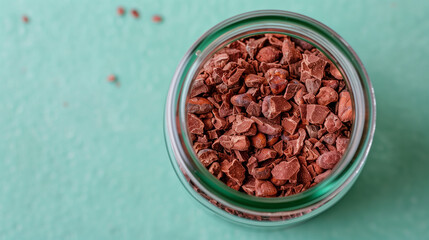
(98, 168)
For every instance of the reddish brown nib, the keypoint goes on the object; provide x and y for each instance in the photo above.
(25, 19)
(156, 19)
(111, 78)
(121, 11)
(135, 13)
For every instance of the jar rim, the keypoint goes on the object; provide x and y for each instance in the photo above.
(305, 28)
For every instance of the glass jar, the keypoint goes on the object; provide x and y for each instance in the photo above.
(240, 207)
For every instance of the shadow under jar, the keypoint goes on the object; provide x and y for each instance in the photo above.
(276, 211)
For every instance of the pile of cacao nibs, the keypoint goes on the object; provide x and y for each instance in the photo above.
(269, 115)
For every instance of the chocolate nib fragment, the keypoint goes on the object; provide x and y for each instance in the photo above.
(268, 54)
(195, 125)
(207, 156)
(286, 170)
(328, 160)
(236, 172)
(345, 111)
(264, 154)
(312, 66)
(276, 78)
(240, 143)
(265, 189)
(326, 95)
(272, 106)
(199, 105)
(242, 100)
(267, 127)
(269, 115)
(316, 114)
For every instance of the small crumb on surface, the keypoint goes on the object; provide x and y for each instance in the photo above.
(135, 13)
(25, 19)
(111, 78)
(121, 11)
(156, 19)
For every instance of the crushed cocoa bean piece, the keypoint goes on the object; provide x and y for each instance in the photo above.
(310, 153)
(313, 85)
(262, 173)
(242, 100)
(341, 144)
(265, 189)
(213, 134)
(215, 170)
(198, 146)
(274, 40)
(240, 143)
(312, 66)
(253, 45)
(267, 127)
(297, 144)
(225, 110)
(269, 115)
(299, 96)
(264, 154)
(285, 170)
(259, 140)
(278, 182)
(199, 105)
(335, 72)
(202, 139)
(271, 140)
(207, 156)
(195, 125)
(278, 147)
(322, 176)
(251, 164)
(276, 78)
(242, 156)
(249, 186)
(272, 106)
(326, 95)
(333, 123)
(218, 121)
(264, 67)
(268, 54)
(254, 109)
(208, 125)
(291, 90)
(236, 172)
(330, 138)
(295, 70)
(290, 53)
(328, 160)
(253, 80)
(303, 113)
(345, 111)
(242, 124)
(321, 132)
(330, 83)
(312, 130)
(235, 77)
(199, 87)
(316, 114)
(309, 98)
(290, 124)
(232, 184)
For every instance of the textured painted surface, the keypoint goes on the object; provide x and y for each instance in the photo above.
(97, 168)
